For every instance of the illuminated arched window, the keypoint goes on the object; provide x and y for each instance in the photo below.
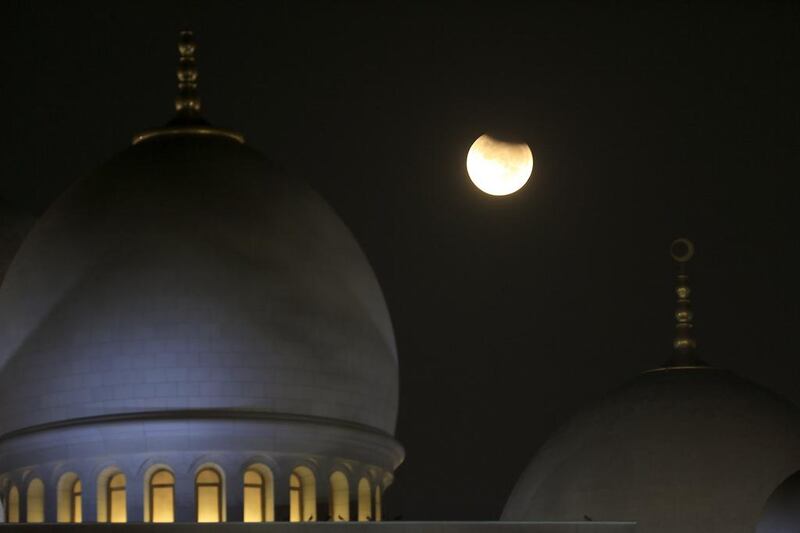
(254, 497)
(364, 501)
(116, 499)
(76, 503)
(12, 513)
(69, 499)
(339, 498)
(208, 492)
(378, 505)
(295, 498)
(258, 500)
(162, 496)
(35, 502)
(302, 495)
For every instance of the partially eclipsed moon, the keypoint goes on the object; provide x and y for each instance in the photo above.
(497, 167)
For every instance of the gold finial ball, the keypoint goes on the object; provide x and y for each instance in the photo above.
(682, 250)
(684, 343)
(186, 45)
(187, 72)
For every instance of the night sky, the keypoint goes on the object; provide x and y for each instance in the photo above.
(647, 122)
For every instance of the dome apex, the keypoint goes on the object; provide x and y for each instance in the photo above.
(188, 120)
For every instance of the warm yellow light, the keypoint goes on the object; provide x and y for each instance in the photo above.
(36, 501)
(340, 498)
(162, 497)
(208, 503)
(295, 498)
(77, 502)
(13, 505)
(163, 504)
(497, 167)
(208, 485)
(364, 501)
(254, 497)
(117, 497)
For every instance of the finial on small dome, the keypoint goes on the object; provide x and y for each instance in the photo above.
(682, 251)
(683, 356)
(188, 101)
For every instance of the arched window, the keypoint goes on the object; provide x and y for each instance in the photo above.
(69, 501)
(339, 498)
(258, 499)
(254, 497)
(364, 501)
(208, 492)
(12, 513)
(378, 505)
(35, 501)
(295, 498)
(162, 496)
(76, 503)
(302, 495)
(116, 499)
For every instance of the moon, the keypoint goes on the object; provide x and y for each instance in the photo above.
(497, 167)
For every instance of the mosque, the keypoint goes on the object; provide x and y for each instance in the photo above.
(188, 335)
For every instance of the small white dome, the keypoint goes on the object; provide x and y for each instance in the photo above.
(689, 450)
(782, 512)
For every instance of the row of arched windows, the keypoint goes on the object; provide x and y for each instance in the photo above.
(159, 503)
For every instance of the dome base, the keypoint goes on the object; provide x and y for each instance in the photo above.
(185, 442)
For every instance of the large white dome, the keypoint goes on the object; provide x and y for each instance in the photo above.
(188, 319)
(188, 273)
(679, 450)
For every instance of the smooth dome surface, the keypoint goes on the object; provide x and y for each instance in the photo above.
(782, 512)
(187, 273)
(14, 225)
(689, 451)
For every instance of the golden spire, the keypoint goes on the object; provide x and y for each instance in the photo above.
(682, 251)
(683, 356)
(187, 102)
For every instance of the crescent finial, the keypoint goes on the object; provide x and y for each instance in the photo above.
(682, 250)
